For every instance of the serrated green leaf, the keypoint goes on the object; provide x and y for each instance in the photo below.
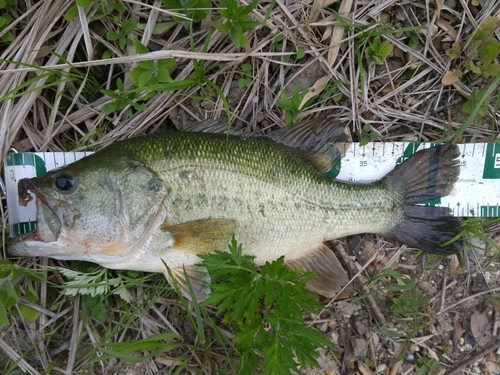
(484, 30)
(163, 76)
(489, 52)
(491, 70)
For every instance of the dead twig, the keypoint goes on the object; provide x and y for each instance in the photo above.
(472, 359)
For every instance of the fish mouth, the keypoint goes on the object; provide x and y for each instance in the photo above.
(51, 214)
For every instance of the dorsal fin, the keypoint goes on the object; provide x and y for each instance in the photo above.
(310, 136)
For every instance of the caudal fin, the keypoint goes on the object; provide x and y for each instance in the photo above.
(428, 174)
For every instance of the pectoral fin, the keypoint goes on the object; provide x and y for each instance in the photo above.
(199, 278)
(329, 275)
(202, 236)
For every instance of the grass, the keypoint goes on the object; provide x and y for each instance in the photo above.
(77, 77)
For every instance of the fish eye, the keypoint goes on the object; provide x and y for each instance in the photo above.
(65, 183)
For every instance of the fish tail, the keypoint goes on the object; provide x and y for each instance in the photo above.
(429, 174)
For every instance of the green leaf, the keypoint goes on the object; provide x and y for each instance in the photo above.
(491, 70)
(489, 52)
(29, 313)
(378, 50)
(84, 3)
(112, 36)
(265, 310)
(107, 54)
(144, 78)
(164, 76)
(97, 307)
(71, 13)
(473, 103)
(300, 53)
(128, 26)
(139, 47)
(163, 27)
(4, 319)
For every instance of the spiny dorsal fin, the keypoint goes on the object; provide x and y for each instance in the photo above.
(199, 279)
(310, 136)
(202, 236)
(329, 275)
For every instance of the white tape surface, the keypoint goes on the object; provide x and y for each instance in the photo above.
(476, 193)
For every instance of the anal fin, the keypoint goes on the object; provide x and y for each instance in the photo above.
(329, 275)
(199, 278)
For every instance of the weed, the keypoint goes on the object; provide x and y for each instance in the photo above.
(94, 280)
(291, 105)
(5, 19)
(192, 10)
(245, 79)
(123, 99)
(406, 302)
(331, 90)
(276, 45)
(378, 50)
(11, 276)
(480, 53)
(427, 366)
(265, 310)
(475, 101)
(154, 345)
(106, 7)
(237, 21)
(150, 72)
(369, 135)
(128, 27)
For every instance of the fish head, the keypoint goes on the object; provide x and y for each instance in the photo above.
(90, 207)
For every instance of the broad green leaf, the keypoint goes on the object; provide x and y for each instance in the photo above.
(139, 47)
(128, 26)
(29, 313)
(112, 36)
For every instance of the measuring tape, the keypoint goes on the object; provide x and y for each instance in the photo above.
(475, 194)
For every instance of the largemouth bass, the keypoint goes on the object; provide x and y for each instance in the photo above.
(167, 198)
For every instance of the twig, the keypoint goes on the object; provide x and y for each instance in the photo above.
(468, 298)
(472, 359)
(356, 272)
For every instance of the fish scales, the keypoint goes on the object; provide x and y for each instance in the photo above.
(281, 202)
